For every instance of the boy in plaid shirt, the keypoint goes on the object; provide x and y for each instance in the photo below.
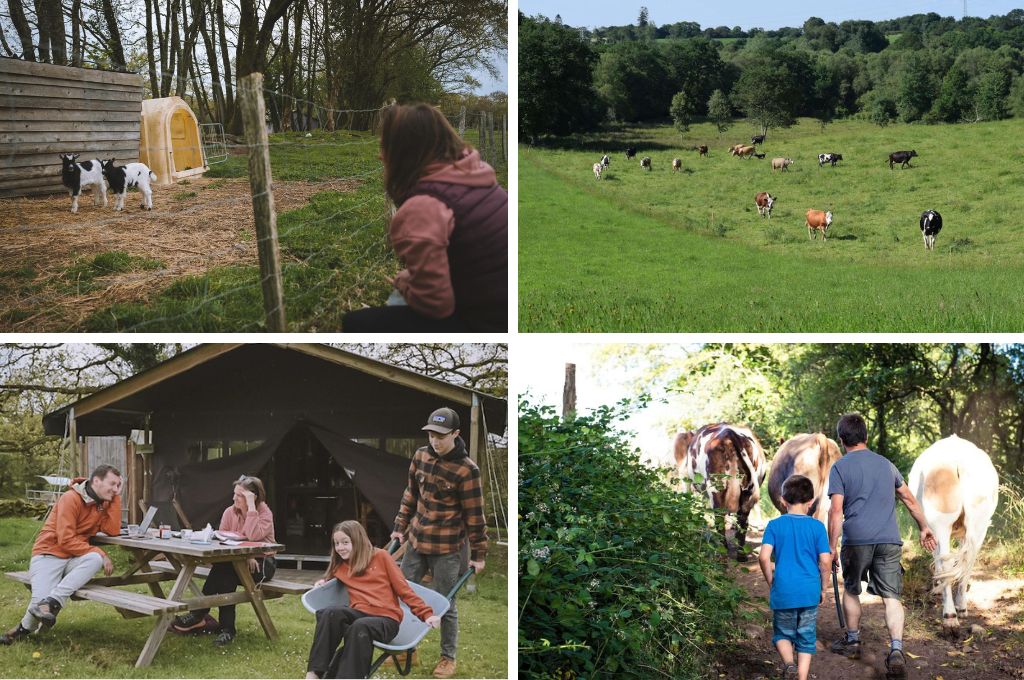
(443, 509)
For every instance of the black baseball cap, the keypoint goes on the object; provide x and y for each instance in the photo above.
(442, 421)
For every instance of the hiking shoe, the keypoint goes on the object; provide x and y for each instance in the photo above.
(851, 650)
(445, 668)
(46, 611)
(895, 664)
(188, 622)
(790, 673)
(14, 634)
(226, 637)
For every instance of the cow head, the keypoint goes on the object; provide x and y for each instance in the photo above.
(828, 219)
(770, 201)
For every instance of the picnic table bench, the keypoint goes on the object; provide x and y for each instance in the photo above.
(183, 561)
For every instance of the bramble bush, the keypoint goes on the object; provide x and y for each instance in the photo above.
(617, 573)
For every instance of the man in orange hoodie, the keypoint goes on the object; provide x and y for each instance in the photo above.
(62, 558)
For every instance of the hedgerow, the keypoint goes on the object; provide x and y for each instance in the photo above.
(617, 574)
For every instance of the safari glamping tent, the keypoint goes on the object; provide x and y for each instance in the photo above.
(328, 431)
(171, 143)
(47, 110)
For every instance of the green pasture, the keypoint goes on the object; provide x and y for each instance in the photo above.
(687, 251)
(91, 640)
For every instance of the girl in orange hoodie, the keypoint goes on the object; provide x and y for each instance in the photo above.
(450, 231)
(375, 584)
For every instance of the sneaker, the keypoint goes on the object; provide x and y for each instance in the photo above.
(13, 635)
(226, 637)
(791, 672)
(46, 611)
(895, 664)
(851, 650)
(188, 623)
(445, 668)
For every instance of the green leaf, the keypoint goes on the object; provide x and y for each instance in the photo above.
(532, 568)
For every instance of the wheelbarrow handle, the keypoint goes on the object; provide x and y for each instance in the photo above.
(393, 546)
(461, 582)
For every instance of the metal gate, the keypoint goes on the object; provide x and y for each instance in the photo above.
(215, 146)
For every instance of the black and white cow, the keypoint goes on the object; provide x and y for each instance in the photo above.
(77, 176)
(931, 225)
(832, 158)
(645, 163)
(121, 177)
(630, 152)
(605, 161)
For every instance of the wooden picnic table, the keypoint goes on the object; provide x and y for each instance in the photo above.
(185, 558)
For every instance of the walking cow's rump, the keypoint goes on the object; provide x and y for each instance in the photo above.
(958, 489)
(732, 451)
(810, 455)
(931, 225)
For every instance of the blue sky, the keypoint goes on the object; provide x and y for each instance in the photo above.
(750, 13)
(488, 84)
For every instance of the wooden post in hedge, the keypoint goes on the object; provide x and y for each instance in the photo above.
(250, 92)
(569, 393)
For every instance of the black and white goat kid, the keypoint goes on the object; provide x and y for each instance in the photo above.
(121, 177)
(77, 176)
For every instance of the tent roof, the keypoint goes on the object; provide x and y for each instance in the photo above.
(214, 377)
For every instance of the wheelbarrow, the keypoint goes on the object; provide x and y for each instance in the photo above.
(411, 630)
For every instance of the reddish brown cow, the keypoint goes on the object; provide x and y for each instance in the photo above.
(703, 149)
(679, 449)
(731, 451)
(818, 220)
(810, 455)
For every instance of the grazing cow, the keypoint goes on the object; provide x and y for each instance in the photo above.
(958, 489)
(703, 149)
(597, 170)
(812, 456)
(735, 148)
(764, 202)
(645, 163)
(902, 157)
(818, 221)
(781, 163)
(123, 177)
(757, 139)
(679, 449)
(677, 165)
(605, 161)
(931, 225)
(731, 465)
(630, 152)
(77, 176)
(832, 158)
(747, 151)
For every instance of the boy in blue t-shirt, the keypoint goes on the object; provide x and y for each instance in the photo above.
(799, 577)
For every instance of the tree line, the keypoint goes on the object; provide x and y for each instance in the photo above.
(319, 57)
(919, 68)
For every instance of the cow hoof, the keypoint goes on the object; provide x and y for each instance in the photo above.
(951, 632)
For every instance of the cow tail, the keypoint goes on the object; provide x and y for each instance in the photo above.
(956, 567)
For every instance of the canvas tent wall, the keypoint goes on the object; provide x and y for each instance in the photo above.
(47, 110)
(171, 143)
(248, 398)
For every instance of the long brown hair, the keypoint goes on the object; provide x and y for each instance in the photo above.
(412, 137)
(362, 549)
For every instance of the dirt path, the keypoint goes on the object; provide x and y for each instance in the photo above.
(993, 651)
(192, 228)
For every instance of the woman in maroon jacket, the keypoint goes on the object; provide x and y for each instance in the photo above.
(450, 231)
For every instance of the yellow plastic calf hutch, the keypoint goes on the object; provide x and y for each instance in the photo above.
(170, 142)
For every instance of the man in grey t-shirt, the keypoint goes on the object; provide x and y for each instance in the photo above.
(864, 487)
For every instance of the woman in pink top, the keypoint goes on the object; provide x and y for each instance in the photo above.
(375, 584)
(450, 231)
(251, 518)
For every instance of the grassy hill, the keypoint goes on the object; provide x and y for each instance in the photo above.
(687, 251)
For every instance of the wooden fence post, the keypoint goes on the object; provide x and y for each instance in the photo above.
(462, 122)
(250, 91)
(569, 393)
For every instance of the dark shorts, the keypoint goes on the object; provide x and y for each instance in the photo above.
(799, 626)
(878, 564)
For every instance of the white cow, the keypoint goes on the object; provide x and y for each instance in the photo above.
(958, 490)
(598, 167)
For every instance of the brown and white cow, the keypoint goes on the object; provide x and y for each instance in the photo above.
(818, 220)
(726, 462)
(745, 151)
(764, 202)
(810, 455)
(680, 446)
(702, 149)
(958, 489)
(677, 164)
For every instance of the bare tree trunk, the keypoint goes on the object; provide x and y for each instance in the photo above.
(162, 39)
(154, 84)
(43, 23)
(211, 54)
(28, 52)
(174, 51)
(114, 41)
(77, 46)
(229, 93)
(569, 393)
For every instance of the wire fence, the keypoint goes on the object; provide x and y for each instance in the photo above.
(191, 264)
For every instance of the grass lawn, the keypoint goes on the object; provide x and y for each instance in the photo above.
(92, 640)
(334, 252)
(686, 251)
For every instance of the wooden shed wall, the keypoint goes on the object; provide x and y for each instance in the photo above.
(47, 110)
